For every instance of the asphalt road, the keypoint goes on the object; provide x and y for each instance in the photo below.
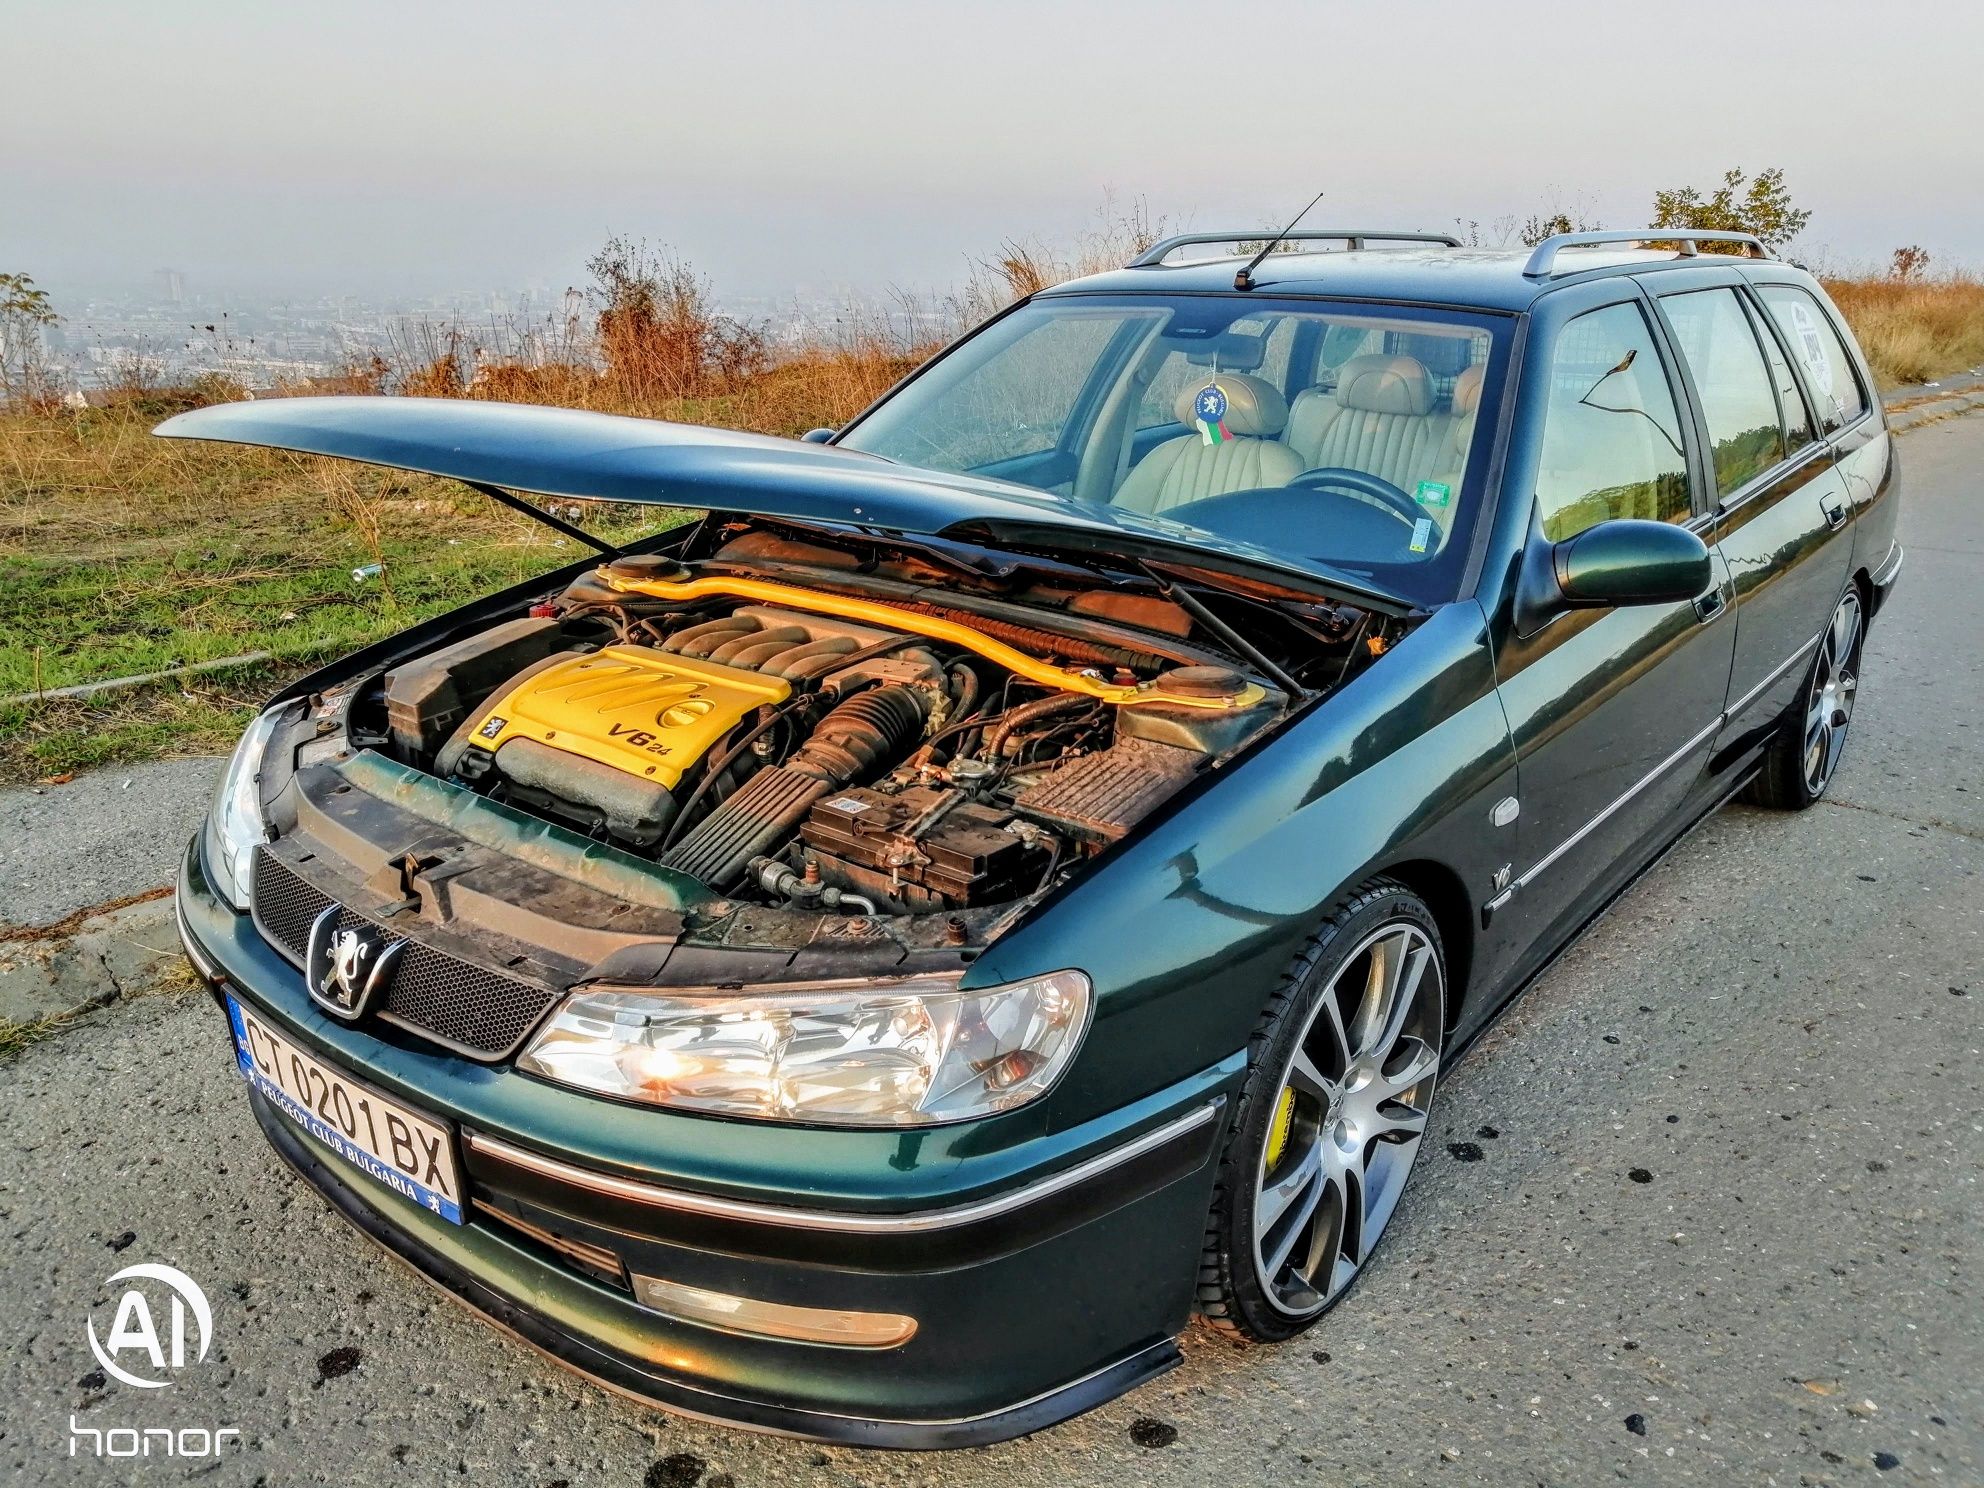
(1703, 1208)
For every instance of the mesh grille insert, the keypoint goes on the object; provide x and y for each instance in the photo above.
(468, 1008)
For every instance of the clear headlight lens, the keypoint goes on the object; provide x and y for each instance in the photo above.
(234, 826)
(909, 1053)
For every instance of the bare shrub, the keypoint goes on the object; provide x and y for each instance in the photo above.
(658, 332)
(1911, 262)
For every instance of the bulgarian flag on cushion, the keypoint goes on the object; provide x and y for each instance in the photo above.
(1210, 406)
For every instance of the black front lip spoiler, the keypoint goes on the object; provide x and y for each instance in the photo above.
(652, 1387)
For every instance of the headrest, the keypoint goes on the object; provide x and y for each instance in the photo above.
(1467, 391)
(1443, 356)
(1385, 384)
(1253, 408)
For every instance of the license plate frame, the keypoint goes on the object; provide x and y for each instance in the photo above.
(350, 1127)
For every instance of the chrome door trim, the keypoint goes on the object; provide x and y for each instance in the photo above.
(1631, 791)
(1777, 671)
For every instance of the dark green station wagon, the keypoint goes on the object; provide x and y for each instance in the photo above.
(873, 962)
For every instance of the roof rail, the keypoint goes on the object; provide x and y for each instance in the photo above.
(1543, 262)
(1356, 238)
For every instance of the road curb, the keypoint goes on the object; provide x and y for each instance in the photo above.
(1933, 411)
(88, 962)
(1931, 402)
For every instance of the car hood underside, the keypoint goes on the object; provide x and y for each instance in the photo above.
(578, 455)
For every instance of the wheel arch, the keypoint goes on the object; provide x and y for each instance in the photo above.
(1863, 583)
(1444, 893)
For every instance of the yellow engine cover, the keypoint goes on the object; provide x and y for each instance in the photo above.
(649, 713)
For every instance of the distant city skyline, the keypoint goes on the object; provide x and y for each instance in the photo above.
(802, 151)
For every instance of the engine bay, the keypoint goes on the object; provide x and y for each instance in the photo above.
(790, 729)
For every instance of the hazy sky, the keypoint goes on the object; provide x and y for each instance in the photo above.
(414, 146)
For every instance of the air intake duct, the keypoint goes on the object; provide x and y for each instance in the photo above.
(853, 742)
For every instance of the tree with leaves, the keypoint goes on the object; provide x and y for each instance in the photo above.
(24, 312)
(1756, 204)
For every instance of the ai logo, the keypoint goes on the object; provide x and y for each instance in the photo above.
(136, 1337)
(162, 1323)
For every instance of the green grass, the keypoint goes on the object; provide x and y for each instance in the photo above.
(120, 555)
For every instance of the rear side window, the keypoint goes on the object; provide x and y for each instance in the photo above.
(1611, 432)
(1809, 332)
(1732, 381)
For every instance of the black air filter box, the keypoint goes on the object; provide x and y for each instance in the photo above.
(426, 699)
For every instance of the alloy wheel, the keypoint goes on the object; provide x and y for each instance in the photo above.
(1348, 1119)
(1829, 704)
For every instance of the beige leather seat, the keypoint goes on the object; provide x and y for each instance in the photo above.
(1460, 427)
(1187, 469)
(1380, 420)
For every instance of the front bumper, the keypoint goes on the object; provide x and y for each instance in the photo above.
(1054, 1287)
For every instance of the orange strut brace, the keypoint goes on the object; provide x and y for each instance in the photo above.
(1030, 667)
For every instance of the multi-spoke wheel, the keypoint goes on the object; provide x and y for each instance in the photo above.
(1800, 764)
(1331, 1118)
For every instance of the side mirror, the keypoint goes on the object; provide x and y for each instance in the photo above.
(1631, 562)
(818, 436)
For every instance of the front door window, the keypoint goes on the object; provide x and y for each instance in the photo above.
(1611, 431)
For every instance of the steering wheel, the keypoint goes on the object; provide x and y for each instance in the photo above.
(1376, 490)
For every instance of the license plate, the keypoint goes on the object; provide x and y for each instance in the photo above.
(409, 1153)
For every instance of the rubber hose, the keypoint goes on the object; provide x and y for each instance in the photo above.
(1060, 702)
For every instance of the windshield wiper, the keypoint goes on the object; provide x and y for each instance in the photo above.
(1235, 642)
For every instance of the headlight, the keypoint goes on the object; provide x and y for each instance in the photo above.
(234, 826)
(910, 1053)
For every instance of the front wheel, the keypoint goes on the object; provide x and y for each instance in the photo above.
(1330, 1119)
(1800, 763)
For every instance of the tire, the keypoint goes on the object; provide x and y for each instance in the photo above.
(1801, 762)
(1340, 1076)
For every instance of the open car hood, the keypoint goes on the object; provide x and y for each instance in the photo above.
(576, 455)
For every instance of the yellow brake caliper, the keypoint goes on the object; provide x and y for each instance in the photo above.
(1284, 1118)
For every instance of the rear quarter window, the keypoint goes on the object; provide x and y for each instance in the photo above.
(1820, 352)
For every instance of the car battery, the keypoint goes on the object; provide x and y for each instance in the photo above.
(930, 847)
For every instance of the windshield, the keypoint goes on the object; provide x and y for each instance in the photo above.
(1342, 435)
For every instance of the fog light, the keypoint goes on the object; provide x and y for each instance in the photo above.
(826, 1325)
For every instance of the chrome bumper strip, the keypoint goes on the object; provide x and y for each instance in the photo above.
(840, 1220)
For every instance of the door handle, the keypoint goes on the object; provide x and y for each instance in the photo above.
(1710, 605)
(1835, 515)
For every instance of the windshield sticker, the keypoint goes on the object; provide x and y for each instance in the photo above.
(1210, 406)
(1811, 348)
(1432, 493)
(1422, 533)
